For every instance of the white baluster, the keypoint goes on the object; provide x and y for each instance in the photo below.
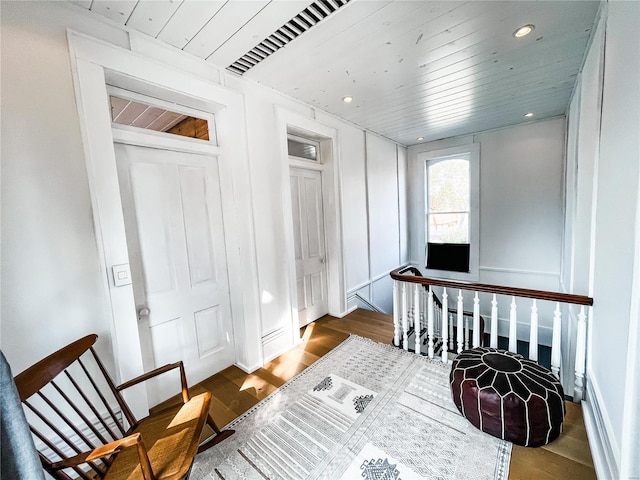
(513, 327)
(476, 321)
(460, 322)
(465, 343)
(405, 317)
(416, 316)
(396, 313)
(437, 321)
(494, 322)
(581, 346)
(430, 315)
(445, 326)
(556, 356)
(452, 339)
(423, 306)
(410, 316)
(533, 332)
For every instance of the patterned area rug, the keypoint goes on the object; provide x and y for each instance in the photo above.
(363, 411)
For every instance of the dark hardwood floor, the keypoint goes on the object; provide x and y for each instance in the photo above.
(234, 392)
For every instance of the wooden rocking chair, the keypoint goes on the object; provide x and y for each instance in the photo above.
(83, 427)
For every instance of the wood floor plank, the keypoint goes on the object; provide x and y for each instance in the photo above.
(235, 391)
(541, 464)
(571, 443)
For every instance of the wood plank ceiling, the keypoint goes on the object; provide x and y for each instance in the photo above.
(415, 68)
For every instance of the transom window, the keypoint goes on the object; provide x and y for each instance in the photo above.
(303, 148)
(131, 109)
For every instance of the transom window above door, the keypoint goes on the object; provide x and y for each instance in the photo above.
(303, 148)
(134, 110)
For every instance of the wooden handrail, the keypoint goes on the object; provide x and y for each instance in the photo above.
(399, 274)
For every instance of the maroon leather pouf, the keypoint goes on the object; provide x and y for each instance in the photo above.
(508, 396)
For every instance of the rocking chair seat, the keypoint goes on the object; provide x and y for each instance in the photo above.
(171, 437)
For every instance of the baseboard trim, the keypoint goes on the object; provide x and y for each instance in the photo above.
(276, 342)
(595, 420)
(352, 309)
(247, 369)
(342, 314)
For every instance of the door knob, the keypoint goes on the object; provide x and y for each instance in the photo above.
(143, 312)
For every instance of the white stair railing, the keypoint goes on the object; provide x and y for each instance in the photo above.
(422, 319)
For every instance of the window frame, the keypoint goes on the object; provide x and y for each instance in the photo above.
(434, 156)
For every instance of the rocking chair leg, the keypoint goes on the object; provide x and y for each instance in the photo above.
(218, 436)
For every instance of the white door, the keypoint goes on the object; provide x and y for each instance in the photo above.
(309, 241)
(174, 225)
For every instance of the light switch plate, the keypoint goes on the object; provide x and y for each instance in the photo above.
(121, 275)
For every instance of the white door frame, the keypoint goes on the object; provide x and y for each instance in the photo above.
(289, 122)
(94, 63)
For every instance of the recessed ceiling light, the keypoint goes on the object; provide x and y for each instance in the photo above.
(528, 115)
(420, 139)
(524, 30)
(347, 99)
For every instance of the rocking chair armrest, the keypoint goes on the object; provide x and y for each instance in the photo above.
(110, 449)
(158, 371)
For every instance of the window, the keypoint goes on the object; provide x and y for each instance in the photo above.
(451, 214)
(303, 148)
(130, 109)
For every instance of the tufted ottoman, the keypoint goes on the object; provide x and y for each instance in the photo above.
(508, 396)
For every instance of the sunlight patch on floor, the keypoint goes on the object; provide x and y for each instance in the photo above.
(308, 331)
(286, 367)
(255, 382)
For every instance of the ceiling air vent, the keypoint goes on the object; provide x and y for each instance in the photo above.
(313, 14)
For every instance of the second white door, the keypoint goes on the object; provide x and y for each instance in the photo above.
(309, 242)
(174, 224)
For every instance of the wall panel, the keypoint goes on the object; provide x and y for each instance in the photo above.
(382, 195)
(354, 201)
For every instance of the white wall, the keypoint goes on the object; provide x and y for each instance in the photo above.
(521, 203)
(606, 238)
(269, 218)
(354, 205)
(521, 171)
(583, 139)
(386, 215)
(53, 291)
